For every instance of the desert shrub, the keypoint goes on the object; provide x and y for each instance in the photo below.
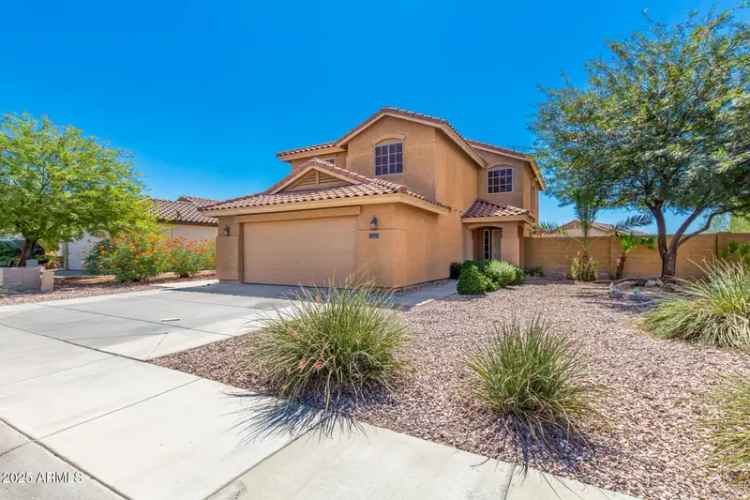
(503, 273)
(471, 281)
(737, 252)
(131, 257)
(730, 428)
(536, 377)
(714, 311)
(332, 342)
(455, 270)
(583, 268)
(186, 258)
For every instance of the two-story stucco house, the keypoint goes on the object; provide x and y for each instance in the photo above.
(395, 200)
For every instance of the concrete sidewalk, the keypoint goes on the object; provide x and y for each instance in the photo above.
(114, 427)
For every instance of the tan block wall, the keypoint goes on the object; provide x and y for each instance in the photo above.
(554, 255)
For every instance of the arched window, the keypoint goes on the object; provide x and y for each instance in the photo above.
(389, 158)
(500, 179)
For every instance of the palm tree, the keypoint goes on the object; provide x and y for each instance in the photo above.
(629, 240)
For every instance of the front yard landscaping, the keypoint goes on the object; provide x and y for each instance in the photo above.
(656, 402)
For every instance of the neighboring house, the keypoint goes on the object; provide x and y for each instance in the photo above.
(180, 219)
(573, 229)
(395, 201)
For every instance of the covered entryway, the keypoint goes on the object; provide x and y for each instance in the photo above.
(301, 251)
(489, 240)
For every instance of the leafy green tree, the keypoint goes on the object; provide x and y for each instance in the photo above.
(56, 184)
(739, 223)
(660, 128)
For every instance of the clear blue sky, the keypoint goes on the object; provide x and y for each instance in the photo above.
(205, 93)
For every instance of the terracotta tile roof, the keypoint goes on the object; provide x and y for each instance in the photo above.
(183, 211)
(195, 200)
(360, 186)
(481, 208)
(305, 149)
(601, 226)
(499, 149)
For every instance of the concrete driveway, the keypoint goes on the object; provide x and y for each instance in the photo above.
(145, 325)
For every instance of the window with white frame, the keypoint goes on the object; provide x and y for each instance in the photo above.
(389, 158)
(500, 180)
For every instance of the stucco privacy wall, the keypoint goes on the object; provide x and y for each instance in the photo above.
(554, 254)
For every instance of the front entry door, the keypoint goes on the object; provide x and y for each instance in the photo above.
(491, 244)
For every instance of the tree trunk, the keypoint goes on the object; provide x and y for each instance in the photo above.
(620, 269)
(669, 264)
(26, 249)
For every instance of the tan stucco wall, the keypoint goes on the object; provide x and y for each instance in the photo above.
(457, 175)
(190, 232)
(525, 193)
(420, 155)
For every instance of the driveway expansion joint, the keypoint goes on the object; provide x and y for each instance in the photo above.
(62, 458)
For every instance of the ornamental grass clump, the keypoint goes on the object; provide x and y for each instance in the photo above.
(714, 311)
(730, 429)
(533, 376)
(333, 342)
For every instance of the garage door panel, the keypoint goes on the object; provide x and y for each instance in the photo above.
(309, 252)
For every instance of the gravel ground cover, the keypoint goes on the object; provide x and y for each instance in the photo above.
(70, 289)
(653, 442)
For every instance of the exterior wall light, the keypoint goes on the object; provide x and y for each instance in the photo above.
(374, 223)
(227, 231)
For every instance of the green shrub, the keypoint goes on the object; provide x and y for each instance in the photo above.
(472, 282)
(715, 311)
(9, 253)
(503, 273)
(737, 252)
(583, 268)
(730, 429)
(455, 270)
(332, 342)
(534, 376)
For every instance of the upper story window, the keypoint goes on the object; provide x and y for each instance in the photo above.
(389, 158)
(500, 180)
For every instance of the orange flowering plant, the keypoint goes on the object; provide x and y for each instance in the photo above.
(186, 257)
(137, 256)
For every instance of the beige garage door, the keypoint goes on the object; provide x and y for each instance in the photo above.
(310, 252)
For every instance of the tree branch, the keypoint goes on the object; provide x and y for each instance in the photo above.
(705, 226)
